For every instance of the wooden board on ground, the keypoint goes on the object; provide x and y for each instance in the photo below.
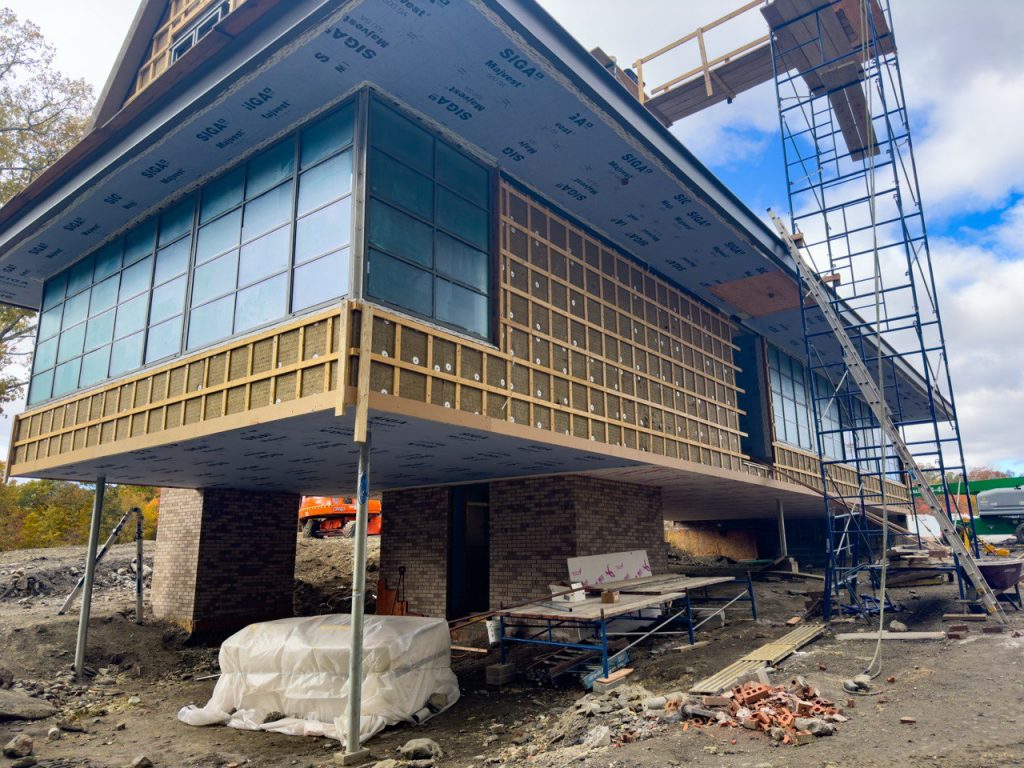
(964, 617)
(695, 646)
(618, 674)
(891, 636)
(769, 654)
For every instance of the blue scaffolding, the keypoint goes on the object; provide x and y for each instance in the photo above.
(855, 201)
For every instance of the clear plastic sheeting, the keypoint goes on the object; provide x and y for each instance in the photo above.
(298, 668)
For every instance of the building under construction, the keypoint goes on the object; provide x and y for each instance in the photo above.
(444, 230)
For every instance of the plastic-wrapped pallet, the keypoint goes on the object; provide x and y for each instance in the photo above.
(299, 668)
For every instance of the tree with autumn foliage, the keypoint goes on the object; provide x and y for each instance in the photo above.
(43, 114)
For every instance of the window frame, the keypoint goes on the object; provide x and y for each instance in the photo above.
(490, 293)
(348, 251)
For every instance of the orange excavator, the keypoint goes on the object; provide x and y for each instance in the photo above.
(321, 516)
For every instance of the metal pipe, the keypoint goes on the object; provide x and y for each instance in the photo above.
(138, 564)
(353, 753)
(90, 572)
(99, 557)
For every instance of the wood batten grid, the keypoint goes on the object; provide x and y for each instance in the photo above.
(804, 467)
(197, 395)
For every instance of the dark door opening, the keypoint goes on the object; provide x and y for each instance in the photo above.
(469, 551)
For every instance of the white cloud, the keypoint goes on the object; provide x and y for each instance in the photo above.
(980, 285)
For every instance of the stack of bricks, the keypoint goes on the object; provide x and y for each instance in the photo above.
(414, 536)
(224, 558)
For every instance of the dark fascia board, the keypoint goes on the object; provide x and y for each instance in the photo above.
(133, 52)
(536, 25)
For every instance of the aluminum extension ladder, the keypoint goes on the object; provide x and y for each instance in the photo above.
(872, 395)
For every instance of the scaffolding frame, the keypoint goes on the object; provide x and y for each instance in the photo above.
(859, 212)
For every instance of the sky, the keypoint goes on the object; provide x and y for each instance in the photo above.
(963, 75)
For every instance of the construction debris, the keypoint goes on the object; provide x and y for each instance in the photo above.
(892, 636)
(786, 713)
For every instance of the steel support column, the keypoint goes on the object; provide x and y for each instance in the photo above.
(90, 573)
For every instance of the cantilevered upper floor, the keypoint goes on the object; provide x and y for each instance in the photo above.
(447, 212)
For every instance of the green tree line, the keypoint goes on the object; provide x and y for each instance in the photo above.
(53, 513)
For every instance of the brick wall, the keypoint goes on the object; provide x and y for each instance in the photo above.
(177, 552)
(533, 531)
(225, 558)
(535, 525)
(616, 517)
(414, 535)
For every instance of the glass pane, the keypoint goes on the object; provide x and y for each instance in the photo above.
(94, 367)
(266, 212)
(171, 261)
(164, 339)
(214, 278)
(80, 276)
(399, 283)
(108, 260)
(401, 138)
(139, 242)
(131, 316)
(394, 182)
(223, 194)
(467, 265)
(400, 234)
(100, 330)
(462, 218)
(135, 278)
(53, 292)
(104, 295)
(269, 168)
(168, 299)
(126, 354)
(211, 322)
(328, 181)
(261, 303)
(326, 230)
(320, 280)
(65, 379)
(218, 237)
(75, 309)
(458, 172)
(327, 136)
(265, 256)
(177, 221)
(460, 307)
(46, 355)
(49, 322)
(42, 385)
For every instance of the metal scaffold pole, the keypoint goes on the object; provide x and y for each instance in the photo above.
(90, 573)
(353, 753)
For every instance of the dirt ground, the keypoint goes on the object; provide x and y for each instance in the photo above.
(967, 696)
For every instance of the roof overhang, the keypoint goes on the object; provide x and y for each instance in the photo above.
(516, 88)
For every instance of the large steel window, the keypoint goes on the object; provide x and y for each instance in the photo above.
(428, 225)
(267, 239)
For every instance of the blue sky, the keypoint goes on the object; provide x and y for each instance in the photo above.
(963, 73)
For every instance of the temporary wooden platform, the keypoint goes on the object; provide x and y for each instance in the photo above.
(769, 654)
(825, 45)
(659, 585)
(591, 608)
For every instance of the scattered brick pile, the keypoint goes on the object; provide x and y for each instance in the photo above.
(793, 714)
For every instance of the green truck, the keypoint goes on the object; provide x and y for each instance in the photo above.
(1000, 507)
